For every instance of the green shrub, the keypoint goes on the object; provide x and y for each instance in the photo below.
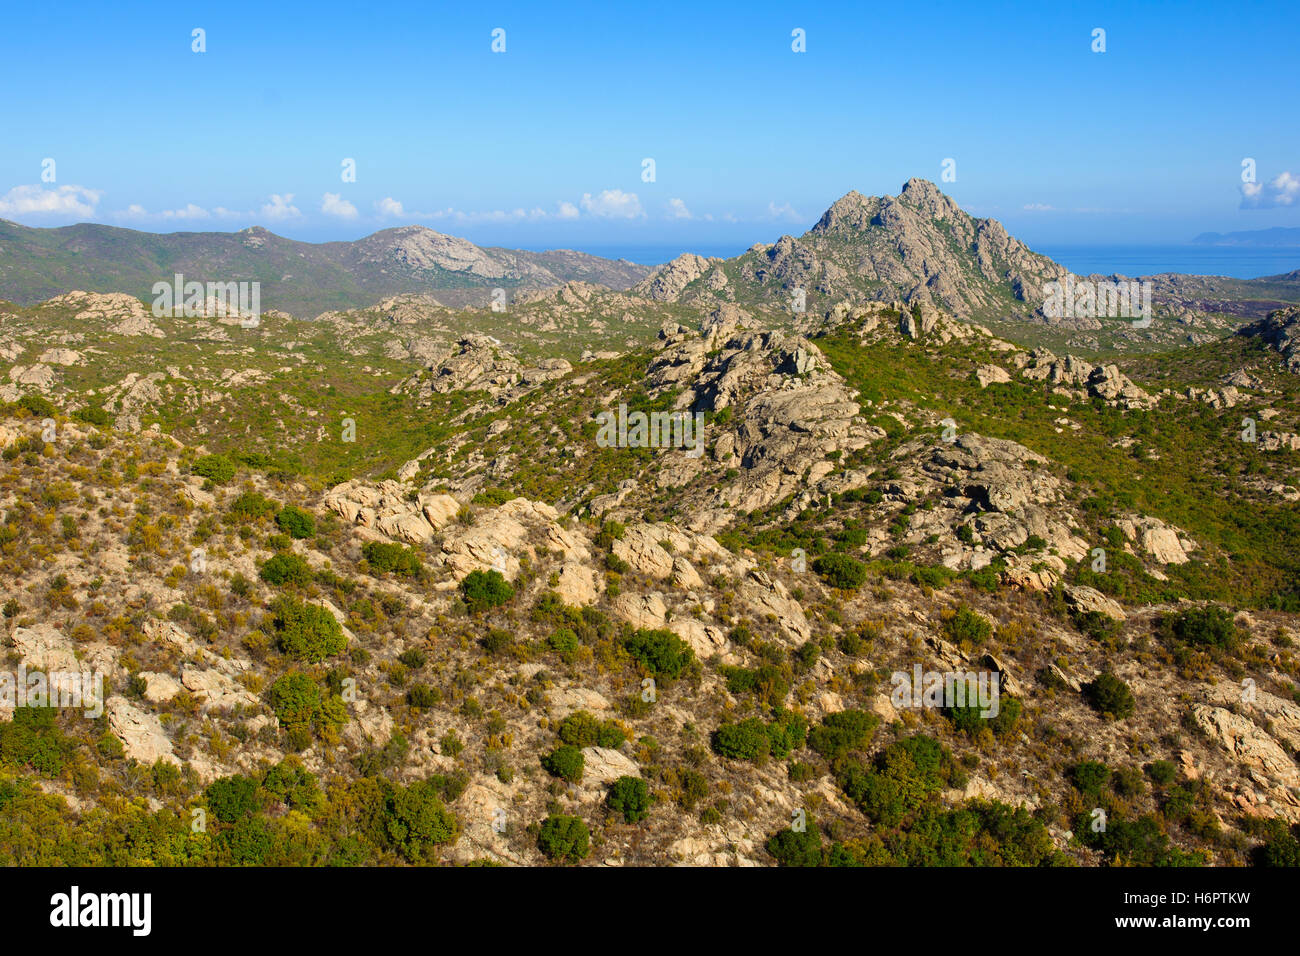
(1162, 772)
(413, 658)
(1110, 696)
(422, 696)
(251, 505)
(307, 632)
(564, 838)
(94, 415)
(631, 797)
(796, 847)
(1280, 847)
(231, 798)
(484, 590)
(1090, 777)
(216, 468)
(746, 740)
(289, 782)
(286, 568)
(565, 762)
(971, 720)
(38, 405)
(384, 557)
(965, 625)
(842, 732)
(296, 700)
(295, 522)
(416, 821)
(903, 777)
(497, 641)
(581, 729)
(841, 571)
(661, 652)
(565, 643)
(1203, 626)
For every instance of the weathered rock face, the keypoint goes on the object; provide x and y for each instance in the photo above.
(988, 375)
(1001, 489)
(603, 765)
(499, 536)
(1163, 542)
(1088, 600)
(1281, 331)
(918, 247)
(142, 734)
(387, 507)
(1252, 747)
(789, 407)
(669, 281)
(1073, 373)
(480, 363)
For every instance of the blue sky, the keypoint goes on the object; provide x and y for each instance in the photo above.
(542, 145)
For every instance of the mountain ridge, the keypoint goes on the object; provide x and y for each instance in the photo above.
(301, 278)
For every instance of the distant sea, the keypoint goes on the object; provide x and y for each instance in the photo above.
(657, 255)
(1140, 260)
(1233, 261)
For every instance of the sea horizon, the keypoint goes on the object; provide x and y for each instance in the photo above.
(1237, 262)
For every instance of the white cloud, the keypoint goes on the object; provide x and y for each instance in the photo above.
(613, 204)
(1282, 190)
(489, 215)
(568, 211)
(677, 208)
(389, 207)
(190, 211)
(1038, 207)
(783, 211)
(61, 200)
(333, 204)
(280, 207)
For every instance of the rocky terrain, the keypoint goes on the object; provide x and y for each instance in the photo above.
(480, 635)
(921, 250)
(300, 278)
(385, 586)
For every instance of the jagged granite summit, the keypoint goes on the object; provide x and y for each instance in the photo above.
(918, 247)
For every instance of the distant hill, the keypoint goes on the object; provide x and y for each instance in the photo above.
(300, 278)
(918, 247)
(1278, 236)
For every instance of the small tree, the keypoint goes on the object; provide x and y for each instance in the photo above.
(231, 798)
(307, 632)
(841, 571)
(797, 847)
(295, 522)
(384, 557)
(565, 762)
(483, 590)
(564, 838)
(216, 468)
(631, 797)
(295, 698)
(286, 568)
(416, 820)
(1110, 696)
(661, 652)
